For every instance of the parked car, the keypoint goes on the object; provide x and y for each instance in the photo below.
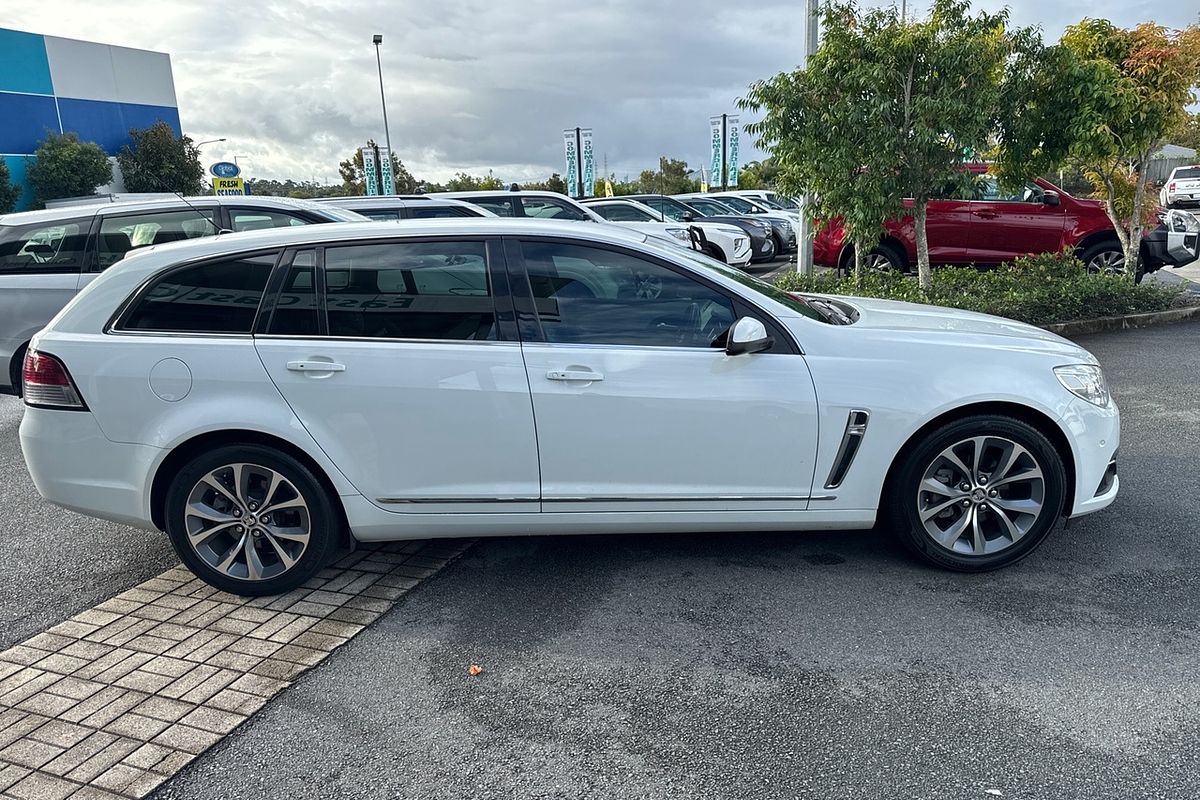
(532, 204)
(724, 242)
(407, 206)
(48, 256)
(990, 225)
(762, 242)
(1182, 188)
(270, 398)
(784, 225)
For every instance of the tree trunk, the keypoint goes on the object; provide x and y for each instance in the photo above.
(859, 255)
(924, 275)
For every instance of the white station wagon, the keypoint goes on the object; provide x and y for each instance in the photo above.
(269, 398)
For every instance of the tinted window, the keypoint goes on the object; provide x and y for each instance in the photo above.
(543, 208)
(710, 208)
(213, 297)
(1187, 172)
(439, 212)
(44, 247)
(620, 212)
(418, 290)
(988, 189)
(381, 215)
(247, 219)
(119, 235)
(587, 295)
(500, 206)
(295, 311)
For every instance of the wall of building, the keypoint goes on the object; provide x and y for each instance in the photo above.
(49, 84)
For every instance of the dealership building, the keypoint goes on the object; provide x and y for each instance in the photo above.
(53, 85)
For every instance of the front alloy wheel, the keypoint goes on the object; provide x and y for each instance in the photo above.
(977, 494)
(250, 520)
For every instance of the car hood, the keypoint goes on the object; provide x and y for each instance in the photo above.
(914, 319)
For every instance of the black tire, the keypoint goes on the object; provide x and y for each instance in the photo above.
(1099, 248)
(323, 518)
(780, 244)
(900, 505)
(895, 261)
(715, 252)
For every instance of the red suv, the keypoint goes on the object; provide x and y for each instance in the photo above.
(995, 226)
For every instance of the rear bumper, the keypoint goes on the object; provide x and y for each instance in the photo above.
(74, 466)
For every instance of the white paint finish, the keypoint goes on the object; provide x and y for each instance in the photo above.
(411, 420)
(170, 380)
(671, 422)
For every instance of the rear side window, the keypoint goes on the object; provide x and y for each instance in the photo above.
(246, 219)
(43, 247)
(119, 235)
(296, 308)
(545, 208)
(439, 212)
(213, 297)
(500, 206)
(410, 290)
(381, 215)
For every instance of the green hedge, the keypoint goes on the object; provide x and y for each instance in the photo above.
(1040, 290)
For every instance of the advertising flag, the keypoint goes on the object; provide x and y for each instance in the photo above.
(385, 169)
(572, 174)
(735, 132)
(716, 163)
(589, 163)
(370, 177)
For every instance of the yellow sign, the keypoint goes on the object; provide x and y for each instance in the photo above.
(228, 186)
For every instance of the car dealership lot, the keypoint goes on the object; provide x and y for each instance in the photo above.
(813, 665)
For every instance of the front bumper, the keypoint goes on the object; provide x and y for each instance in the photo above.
(74, 466)
(1164, 248)
(1095, 435)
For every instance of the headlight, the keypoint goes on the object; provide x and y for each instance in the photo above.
(679, 233)
(1085, 381)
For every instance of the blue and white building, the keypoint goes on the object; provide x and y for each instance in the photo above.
(98, 91)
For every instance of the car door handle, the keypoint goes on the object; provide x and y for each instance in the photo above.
(315, 366)
(986, 214)
(573, 375)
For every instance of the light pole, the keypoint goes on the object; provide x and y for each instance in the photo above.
(387, 134)
(198, 145)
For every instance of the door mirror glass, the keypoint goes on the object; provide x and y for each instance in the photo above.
(748, 335)
(1051, 198)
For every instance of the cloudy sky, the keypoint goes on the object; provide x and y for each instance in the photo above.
(472, 84)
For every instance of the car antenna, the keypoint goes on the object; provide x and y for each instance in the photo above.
(219, 230)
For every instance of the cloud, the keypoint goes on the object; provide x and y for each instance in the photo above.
(472, 84)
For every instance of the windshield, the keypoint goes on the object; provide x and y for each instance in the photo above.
(738, 204)
(800, 305)
(669, 207)
(1187, 172)
(710, 207)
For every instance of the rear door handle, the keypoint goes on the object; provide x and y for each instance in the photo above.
(573, 375)
(986, 214)
(315, 366)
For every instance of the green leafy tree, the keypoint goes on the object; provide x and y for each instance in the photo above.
(927, 91)
(291, 188)
(462, 182)
(354, 179)
(9, 191)
(758, 174)
(1187, 134)
(156, 160)
(554, 183)
(672, 177)
(1112, 98)
(63, 166)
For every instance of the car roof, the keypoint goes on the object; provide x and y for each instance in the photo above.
(266, 202)
(398, 201)
(500, 193)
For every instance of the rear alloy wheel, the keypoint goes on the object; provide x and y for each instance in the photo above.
(978, 494)
(882, 258)
(1106, 257)
(250, 520)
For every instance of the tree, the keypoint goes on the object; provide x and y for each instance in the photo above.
(63, 166)
(925, 90)
(354, 180)
(554, 183)
(291, 188)
(758, 174)
(158, 161)
(1119, 95)
(670, 178)
(462, 182)
(1187, 134)
(9, 191)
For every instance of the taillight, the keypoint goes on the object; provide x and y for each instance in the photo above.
(47, 384)
(1171, 186)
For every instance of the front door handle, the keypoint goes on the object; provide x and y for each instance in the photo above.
(315, 366)
(986, 214)
(573, 375)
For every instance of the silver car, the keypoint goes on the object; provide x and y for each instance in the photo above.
(48, 256)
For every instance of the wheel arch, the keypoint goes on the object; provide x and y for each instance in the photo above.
(1036, 419)
(190, 448)
(846, 256)
(15, 366)
(1096, 238)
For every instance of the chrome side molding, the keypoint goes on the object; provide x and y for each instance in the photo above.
(856, 429)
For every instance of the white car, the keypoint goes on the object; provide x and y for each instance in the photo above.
(1183, 187)
(748, 205)
(533, 204)
(270, 398)
(723, 242)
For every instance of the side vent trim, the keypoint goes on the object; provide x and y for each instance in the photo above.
(856, 429)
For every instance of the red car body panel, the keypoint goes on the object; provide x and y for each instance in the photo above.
(983, 231)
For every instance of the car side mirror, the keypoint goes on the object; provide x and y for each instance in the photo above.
(689, 216)
(748, 335)
(1051, 198)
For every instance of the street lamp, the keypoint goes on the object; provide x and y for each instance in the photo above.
(387, 134)
(198, 145)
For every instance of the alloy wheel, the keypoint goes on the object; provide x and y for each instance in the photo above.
(877, 261)
(247, 521)
(981, 495)
(1110, 262)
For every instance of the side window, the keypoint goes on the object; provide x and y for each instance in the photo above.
(212, 297)
(44, 247)
(438, 212)
(544, 208)
(295, 311)
(381, 215)
(254, 219)
(500, 206)
(119, 235)
(587, 295)
(620, 212)
(410, 290)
